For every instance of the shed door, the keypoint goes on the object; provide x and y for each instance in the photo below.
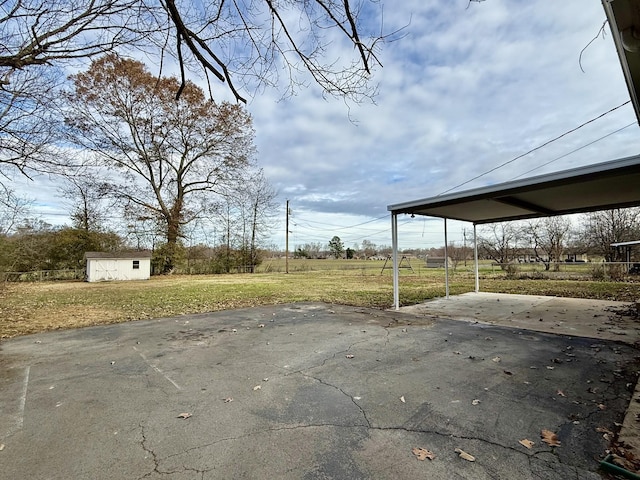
(106, 270)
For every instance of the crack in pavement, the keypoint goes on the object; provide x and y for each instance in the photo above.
(147, 450)
(353, 400)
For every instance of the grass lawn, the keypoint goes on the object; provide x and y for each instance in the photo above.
(34, 307)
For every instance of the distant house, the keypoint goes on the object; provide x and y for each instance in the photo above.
(577, 257)
(109, 266)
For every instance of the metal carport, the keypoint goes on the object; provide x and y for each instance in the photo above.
(602, 186)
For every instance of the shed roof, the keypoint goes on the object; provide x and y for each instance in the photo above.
(601, 186)
(626, 244)
(117, 255)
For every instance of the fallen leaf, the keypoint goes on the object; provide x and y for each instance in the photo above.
(496, 359)
(184, 415)
(1, 446)
(456, 353)
(475, 402)
(235, 330)
(602, 406)
(257, 387)
(550, 368)
(526, 443)
(422, 453)
(561, 393)
(402, 399)
(228, 400)
(550, 438)
(464, 455)
(261, 325)
(507, 372)
(266, 379)
(349, 356)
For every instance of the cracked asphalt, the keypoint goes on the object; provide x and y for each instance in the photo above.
(308, 391)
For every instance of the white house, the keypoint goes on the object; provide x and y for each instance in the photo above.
(107, 266)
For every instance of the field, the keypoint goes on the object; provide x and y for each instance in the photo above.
(35, 307)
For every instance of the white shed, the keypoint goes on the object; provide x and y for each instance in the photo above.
(107, 266)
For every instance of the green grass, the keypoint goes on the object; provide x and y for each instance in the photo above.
(34, 307)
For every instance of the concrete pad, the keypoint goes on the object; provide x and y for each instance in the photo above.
(343, 393)
(566, 316)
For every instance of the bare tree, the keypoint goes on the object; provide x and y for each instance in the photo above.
(548, 237)
(28, 121)
(458, 253)
(85, 200)
(169, 156)
(369, 248)
(601, 229)
(259, 197)
(13, 211)
(241, 39)
(499, 242)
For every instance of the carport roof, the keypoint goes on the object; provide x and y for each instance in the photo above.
(601, 186)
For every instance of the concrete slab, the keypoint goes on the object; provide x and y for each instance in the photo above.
(307, 391)
(567, 316)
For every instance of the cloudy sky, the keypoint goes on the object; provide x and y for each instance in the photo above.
(468, 87)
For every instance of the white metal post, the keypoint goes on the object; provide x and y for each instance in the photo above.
(475, 257)
(446, 261)
(394, 244)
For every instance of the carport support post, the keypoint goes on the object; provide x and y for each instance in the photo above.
(475, 257)
(446, 262)
(394, 246)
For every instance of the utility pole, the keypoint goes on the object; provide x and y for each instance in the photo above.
(286, 248)
(464, 249)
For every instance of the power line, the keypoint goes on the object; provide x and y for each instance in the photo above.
(536, 148)
(574, 151)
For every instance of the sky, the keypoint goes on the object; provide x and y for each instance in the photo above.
(465, 88)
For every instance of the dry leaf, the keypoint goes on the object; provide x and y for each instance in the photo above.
(228, 400)
(507, 372)
(550, 438)
(402, 399)
(257, 387)
(561, 393)
(464, 455)
(456, 353)
(550, 367)
(1, 446)
(261, 325)
(602, 406)
(496, 359)
(604, 430)
(526, 443)
(422, 453)
(475, 402)
(184, 415)
(349, 356)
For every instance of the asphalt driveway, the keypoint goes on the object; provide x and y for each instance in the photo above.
(308, 391)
